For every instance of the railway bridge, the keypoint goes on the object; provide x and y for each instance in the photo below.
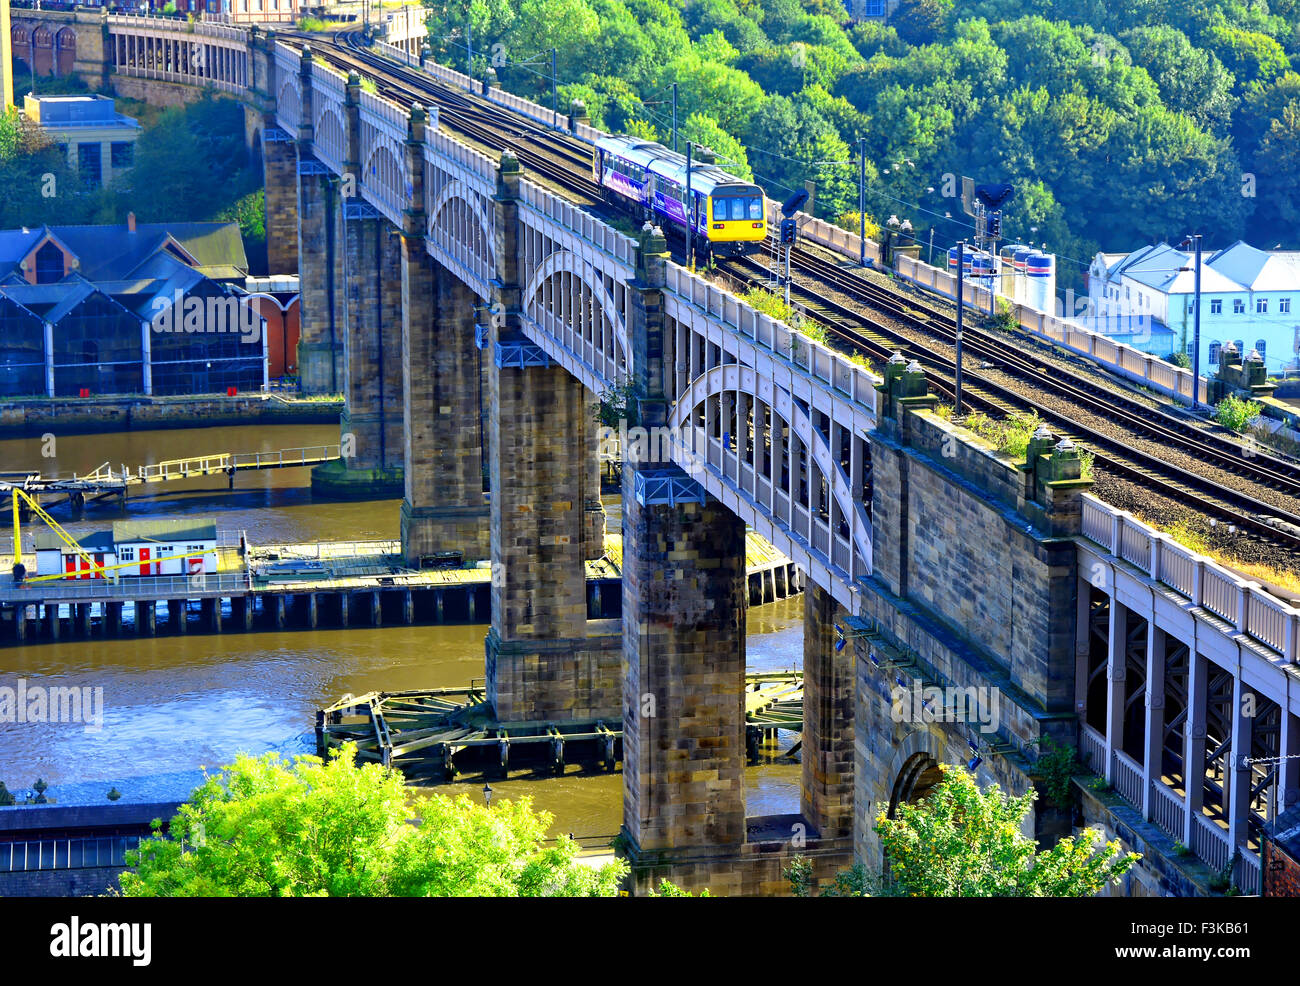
(430, 269)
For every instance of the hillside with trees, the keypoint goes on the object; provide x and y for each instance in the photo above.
(1119, 123)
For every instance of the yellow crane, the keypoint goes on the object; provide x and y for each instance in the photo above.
(20, 572)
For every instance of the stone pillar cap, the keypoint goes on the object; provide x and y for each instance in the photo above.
(1044, 432)
(1064, 445)
(1229, 346)
(914, 367)
(1254, 356)
(897, 358)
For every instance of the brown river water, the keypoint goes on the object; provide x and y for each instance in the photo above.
(173, 705)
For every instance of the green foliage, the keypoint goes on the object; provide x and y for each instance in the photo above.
(1235, 414)
(1118, 124)
(312, 24)
(1180, 359)
(1058, 765)
(964, 842)
(1006, 319)
(667, 889)
(1009, 435)
(368, 84)
(265, 827)
(617, 404)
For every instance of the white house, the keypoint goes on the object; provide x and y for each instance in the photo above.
(1249, 296)
(158, 547)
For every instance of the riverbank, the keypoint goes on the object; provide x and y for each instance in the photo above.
(37, 416)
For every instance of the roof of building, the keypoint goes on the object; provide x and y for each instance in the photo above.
(163, 531)
(95, 541)
(1285, 831)
(1235, 268)
(114, 253)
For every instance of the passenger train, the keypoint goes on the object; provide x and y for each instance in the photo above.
(728, 213)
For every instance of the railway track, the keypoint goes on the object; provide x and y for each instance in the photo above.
(878, 341)
(565, 162)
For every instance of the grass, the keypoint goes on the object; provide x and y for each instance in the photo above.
(1010, 436)
(1190, 537)
(312, 24)
(368, 84)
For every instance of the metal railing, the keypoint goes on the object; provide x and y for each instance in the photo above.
(65, 854)
(142, 588)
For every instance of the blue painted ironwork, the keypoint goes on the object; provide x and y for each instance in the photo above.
(310, 166)
(275, 135)
(482, 338)
(667, 486)
(517, 351)
(360, 209)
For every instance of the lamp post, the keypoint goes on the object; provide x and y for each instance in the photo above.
(487, 795)
(1196, 322)
(862, 201)
(674, 117)
(961, 263)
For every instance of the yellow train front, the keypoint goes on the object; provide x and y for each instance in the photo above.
(736, 219)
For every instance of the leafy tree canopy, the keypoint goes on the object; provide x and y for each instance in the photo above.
(266, 827)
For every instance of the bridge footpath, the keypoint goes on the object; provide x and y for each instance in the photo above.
(434, 275)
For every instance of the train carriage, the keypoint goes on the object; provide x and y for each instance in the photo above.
(727, 213)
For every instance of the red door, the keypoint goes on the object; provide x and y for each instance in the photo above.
(144, 561)
(69, 563)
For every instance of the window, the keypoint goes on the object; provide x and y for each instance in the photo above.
(49, 264)
(1215, 348)
(1261, 347)
(90, 164)
(126, 554)
(122, 154)
(1238, 306)
(1284, 306)
(1216, 306)
(873, 8)
(1261, 306)
(1241, 347)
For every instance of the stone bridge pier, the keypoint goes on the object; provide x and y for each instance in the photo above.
(545, 659)
(684, 609)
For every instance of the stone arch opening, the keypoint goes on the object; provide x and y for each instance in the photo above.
(917, 778)
(65, 51)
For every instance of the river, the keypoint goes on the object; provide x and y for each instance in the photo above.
(175, 705)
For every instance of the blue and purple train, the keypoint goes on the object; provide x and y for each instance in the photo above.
(728, 212)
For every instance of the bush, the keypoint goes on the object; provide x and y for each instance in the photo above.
(1181, 360)
(1235, 414)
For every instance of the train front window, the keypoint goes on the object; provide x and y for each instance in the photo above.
(735, 208)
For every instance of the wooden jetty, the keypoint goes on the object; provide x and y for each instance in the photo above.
(311, 586)
(104, 481)
(436, 733)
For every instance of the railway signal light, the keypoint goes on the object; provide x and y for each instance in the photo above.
(787, 232)
(995, 225)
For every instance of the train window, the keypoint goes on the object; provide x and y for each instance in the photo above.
(736, 208)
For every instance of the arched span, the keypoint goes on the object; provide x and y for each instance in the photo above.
(457, 191)
(384, 167)
(565, 262)
(732, 376)
(328, 136)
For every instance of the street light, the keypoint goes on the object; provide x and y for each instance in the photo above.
(487, 795)
(1195, 242)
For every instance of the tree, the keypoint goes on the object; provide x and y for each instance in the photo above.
(1191, 80)
(266, 827)
(963, 842)
(730, 152)
(920, 22)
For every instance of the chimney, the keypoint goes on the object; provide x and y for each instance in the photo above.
(130, 222)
